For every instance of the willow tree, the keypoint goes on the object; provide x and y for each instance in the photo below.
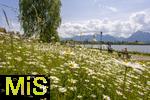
(40, 17)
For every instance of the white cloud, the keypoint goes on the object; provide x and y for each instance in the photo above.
(105, 7)
(135, 22)
(108, 8)
(113, 9)
(95, 1)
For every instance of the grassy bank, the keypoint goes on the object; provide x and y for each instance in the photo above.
(76, 73)
(139, 53)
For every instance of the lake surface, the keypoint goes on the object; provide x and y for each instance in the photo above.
(135, 48)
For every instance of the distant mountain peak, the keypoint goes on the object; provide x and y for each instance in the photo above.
(139, 31)
(139, 36)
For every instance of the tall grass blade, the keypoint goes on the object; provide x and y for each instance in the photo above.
(6, 18)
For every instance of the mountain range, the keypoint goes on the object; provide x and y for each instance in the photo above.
(137, 36)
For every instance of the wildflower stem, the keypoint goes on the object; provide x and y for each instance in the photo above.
(125, 79)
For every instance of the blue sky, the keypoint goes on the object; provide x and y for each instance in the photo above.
(94, 15)
(73, 10)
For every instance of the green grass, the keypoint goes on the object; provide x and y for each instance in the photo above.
(76, 73)
(138, 53)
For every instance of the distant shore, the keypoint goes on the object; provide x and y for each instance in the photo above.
(137, 56)
(134, 49)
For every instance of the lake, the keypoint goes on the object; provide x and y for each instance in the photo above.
(135, 48)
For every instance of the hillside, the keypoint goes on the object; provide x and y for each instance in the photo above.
(75, 73)
(139, 36)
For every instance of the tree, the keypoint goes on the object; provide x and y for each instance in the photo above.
(40, 17)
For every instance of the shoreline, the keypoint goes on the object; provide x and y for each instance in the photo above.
(105, 48)
(137, 56)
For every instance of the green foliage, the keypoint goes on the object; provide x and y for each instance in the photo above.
(40, 17)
